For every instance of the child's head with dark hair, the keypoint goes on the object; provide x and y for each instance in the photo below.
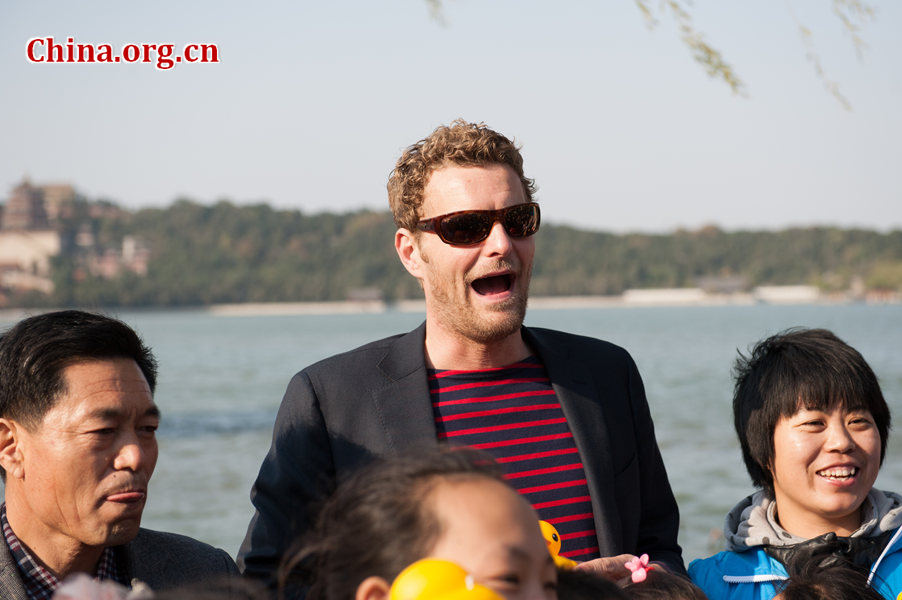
(452, 505)
(660, 585)
(573, 584)
(831, 583)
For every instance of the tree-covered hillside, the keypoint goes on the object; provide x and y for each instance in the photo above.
(227, 253)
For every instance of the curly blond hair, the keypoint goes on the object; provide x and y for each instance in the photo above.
(462, 144)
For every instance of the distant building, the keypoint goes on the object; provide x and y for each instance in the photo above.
(109, 263)
(19, 280)
(25, 259)
(365, 294)
(665, 296)
(135, 255)
(31, 223)
(25, 209)
(59, 201)
(27, 240)
(787, 294)
(724, 284)
(29, 251)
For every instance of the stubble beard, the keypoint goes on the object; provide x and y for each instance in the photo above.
(460, 317)
(123, 532)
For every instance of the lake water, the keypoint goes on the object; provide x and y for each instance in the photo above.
(221, 380)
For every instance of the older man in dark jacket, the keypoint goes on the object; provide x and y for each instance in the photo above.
(77, 450)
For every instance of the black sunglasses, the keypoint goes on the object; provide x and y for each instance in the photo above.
(468, 227)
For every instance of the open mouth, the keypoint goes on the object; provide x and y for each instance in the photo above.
(494, 284)
(839, 473)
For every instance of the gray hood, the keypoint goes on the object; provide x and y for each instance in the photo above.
(753, 521)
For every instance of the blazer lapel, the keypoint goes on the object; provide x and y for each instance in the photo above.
(408, 422)
(403, 401)
(11, 586)
(571, 379)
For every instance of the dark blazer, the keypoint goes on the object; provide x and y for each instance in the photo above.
(161, 560)
(374, 401)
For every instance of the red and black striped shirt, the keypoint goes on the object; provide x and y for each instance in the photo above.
(513, 414)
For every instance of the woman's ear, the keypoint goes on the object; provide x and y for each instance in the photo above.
(372, 588)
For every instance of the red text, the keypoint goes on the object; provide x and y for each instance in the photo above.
(164, 56)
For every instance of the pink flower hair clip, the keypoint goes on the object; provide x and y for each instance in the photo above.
(639, 567)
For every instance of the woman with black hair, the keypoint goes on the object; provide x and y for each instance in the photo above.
(813, 426)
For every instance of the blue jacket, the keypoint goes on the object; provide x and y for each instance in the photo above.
(753, 575)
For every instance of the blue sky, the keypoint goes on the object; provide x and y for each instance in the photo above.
(312, 103)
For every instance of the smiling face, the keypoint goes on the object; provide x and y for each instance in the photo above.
(81, 475)
(825, 463)
(476, 292)
(493, 533)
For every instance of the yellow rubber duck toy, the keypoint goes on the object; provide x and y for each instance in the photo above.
(435, 579)
(553, 540)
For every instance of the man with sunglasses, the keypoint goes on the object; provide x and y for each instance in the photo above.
(564, 415)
